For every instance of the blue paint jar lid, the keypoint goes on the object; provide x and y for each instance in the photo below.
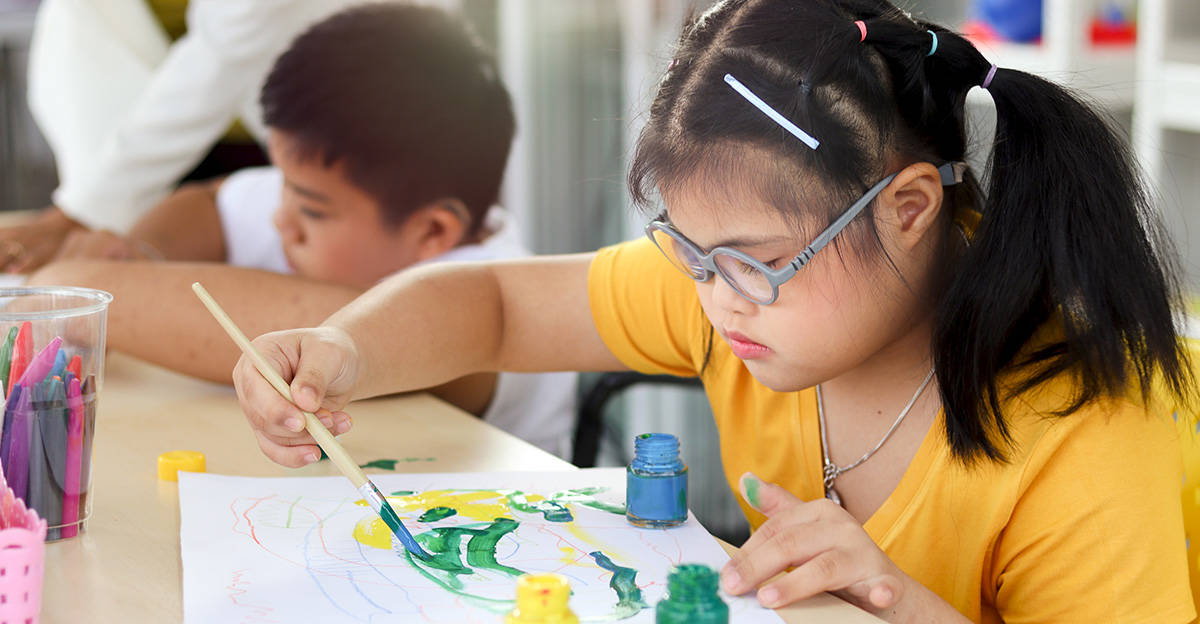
(656, 452)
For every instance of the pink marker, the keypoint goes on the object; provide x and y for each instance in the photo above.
(70, 506)
(41, 364)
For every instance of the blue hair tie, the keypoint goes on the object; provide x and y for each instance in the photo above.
(933, 47)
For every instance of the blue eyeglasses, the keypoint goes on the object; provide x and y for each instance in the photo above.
(750, 278)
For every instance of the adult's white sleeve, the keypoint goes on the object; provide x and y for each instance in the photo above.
(201, 86)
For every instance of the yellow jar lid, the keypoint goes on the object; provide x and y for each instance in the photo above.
(542, 599)
(171, 462)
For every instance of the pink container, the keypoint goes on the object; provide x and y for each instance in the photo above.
(22, 551)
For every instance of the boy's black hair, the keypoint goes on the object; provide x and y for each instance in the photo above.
(405, 98)
(1066, 235)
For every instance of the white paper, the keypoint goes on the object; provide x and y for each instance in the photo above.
(284, 550)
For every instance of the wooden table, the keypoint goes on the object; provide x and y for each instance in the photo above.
(126, 567)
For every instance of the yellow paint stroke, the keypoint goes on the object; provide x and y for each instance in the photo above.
(582, 534)
(570, 555)
(481, 505)
(372, 531)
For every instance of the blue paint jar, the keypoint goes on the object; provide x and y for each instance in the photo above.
(656, 483)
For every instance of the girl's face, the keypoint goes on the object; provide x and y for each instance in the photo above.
(839, 311)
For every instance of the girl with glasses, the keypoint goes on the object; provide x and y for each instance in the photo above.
(935, 399)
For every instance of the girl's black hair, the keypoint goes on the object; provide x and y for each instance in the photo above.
(1066, 234)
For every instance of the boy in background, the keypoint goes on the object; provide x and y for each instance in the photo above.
(389, 130)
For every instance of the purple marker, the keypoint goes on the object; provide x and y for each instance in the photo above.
(10, 412)
(18, 450)
(41, 364)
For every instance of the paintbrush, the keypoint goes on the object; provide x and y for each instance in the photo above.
(331, 446)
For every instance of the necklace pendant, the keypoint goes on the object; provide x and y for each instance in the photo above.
(831, 472)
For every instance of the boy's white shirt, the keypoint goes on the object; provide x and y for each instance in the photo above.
(537, 407)
(127, 113)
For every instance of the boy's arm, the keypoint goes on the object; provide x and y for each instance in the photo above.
(155, 316)
(184, 226)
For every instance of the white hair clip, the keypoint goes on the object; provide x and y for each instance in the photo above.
(771, 112)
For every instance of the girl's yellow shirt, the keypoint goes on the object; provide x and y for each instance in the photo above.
(1082, 524)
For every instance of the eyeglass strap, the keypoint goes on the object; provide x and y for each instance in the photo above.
(951, 173)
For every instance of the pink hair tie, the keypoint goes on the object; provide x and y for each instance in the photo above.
(862, 28)
(987, 82)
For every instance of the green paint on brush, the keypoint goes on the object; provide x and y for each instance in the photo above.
(437, 513)
(624, 583)
(390, 518)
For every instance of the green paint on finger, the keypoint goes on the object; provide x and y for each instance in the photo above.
(752, 485)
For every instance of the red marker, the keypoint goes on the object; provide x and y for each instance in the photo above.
(22, 353)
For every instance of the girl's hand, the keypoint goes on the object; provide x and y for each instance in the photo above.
(826, 546)
(322, 366)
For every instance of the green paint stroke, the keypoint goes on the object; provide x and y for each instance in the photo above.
(402, 493)
(390, 464)
(551, 509)
(437, 513)
(442, 544)
(554, 507)
(624, 583)
(586, 496)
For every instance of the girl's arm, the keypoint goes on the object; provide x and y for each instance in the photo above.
(422, 328)
(155, 316)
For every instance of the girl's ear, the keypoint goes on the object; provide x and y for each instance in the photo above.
(909, 206)
(438, 227)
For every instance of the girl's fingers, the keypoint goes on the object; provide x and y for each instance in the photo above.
(835, 570)
(788, 520)
(262, 404)
(321, 378)
(796, 543)
(292, 456)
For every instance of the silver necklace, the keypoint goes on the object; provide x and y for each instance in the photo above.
(831, 470)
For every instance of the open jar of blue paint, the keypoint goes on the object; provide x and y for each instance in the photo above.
(656, 483)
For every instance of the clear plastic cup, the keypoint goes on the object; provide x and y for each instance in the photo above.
(51, 368)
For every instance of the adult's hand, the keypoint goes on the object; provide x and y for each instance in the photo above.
(28, 246)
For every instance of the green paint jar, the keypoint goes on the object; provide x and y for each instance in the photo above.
(692, 597)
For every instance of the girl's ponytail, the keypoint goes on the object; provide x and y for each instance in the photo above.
(1066, 234)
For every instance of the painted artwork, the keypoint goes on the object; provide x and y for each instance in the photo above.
(308, 549)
